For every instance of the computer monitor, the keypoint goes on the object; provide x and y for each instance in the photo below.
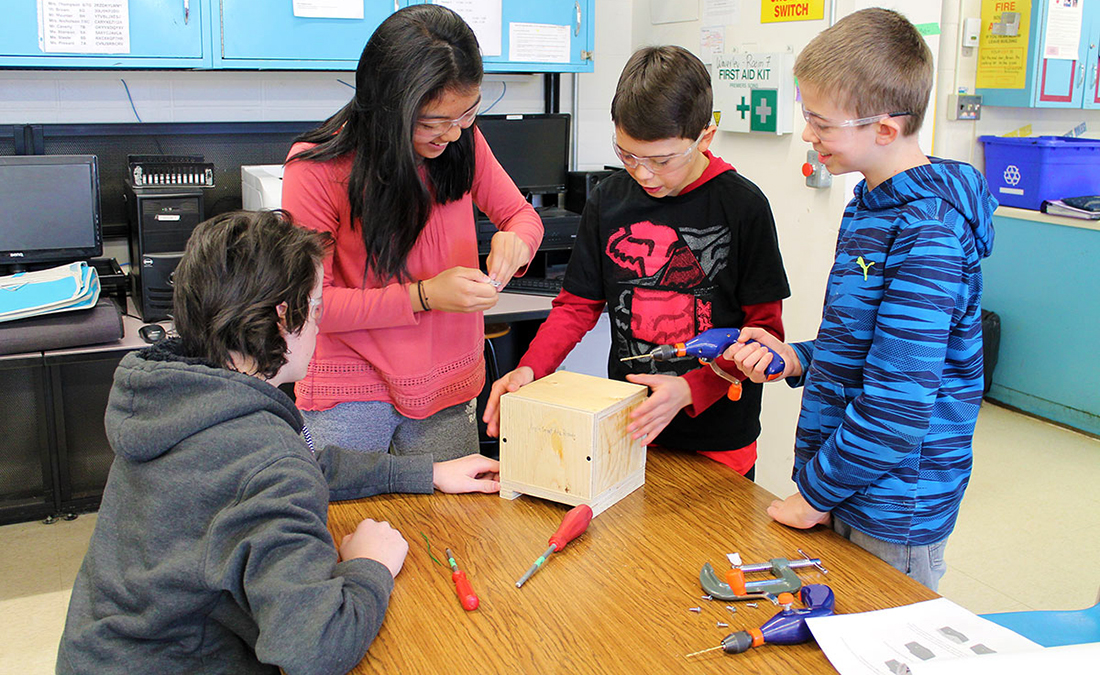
(533, 149)
(49, 210)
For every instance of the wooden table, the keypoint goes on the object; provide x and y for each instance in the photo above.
(617, 598)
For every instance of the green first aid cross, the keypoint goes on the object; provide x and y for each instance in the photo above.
(765, 108)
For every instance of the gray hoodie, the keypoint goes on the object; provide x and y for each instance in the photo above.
(211, 552)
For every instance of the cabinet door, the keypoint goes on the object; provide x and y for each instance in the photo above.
(550, 36)
(1059, 83)
(268, 35)
(1092, 66)
(161, 34)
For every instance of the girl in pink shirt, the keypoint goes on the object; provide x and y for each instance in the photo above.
(394, 177)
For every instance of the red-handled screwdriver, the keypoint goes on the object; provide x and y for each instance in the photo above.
(574, 523)
(465, 591)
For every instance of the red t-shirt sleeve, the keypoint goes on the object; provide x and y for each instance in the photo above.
(570, 319)
(706, 386)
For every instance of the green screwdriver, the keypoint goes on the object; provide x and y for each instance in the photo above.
(574, 523)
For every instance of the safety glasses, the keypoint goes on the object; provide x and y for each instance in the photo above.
(433, 126)
(658, 163)
(827, 129)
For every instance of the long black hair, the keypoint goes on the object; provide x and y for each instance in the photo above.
(414, 56)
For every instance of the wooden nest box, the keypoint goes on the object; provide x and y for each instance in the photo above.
(564, 438)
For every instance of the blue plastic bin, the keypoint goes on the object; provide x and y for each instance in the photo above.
(1023, 172)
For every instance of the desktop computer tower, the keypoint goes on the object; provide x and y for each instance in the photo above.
(161, 221)
(579, 187)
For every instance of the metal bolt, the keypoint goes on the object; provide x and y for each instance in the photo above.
(732, 609)
(707, 597)
(695, 609)
(750, 604)
(722, 625)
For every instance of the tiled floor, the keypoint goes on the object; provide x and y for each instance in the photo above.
(1028, 538)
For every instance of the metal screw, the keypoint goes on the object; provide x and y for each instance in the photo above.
(732, 609)
(722, 625)
(707, 597)
(695, 609)
(750, 604)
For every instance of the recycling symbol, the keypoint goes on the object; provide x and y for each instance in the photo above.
(1012, 174)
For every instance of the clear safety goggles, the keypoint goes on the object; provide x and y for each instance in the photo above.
(658, 163)
(827, 129)
(431, 126)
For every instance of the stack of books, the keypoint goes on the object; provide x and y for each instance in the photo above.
(1087, 208)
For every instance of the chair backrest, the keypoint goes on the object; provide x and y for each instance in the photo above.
(1053, 628)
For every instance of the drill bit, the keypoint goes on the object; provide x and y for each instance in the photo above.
(639, 356)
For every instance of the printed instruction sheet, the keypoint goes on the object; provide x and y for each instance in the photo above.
(889, 641)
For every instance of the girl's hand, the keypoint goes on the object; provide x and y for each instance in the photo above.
(507, 253)
(668, 395)
(459, 289)
(510, 382)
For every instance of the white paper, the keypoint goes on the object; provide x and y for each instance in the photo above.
(328, 9)
(84, 26)
(538, 42)
(663, 11)
(712, 42)
(888, 640)
(1068, 659)
(721, 12)
(483, 17)
(1063, 29)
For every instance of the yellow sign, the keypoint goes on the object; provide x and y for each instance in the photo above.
(773, 11)
(1002, 46)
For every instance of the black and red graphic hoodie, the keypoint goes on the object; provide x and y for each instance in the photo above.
(667, 269)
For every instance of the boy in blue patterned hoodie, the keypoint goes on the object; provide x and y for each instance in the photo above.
(893, 382)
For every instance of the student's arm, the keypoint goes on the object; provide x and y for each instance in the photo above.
(902, 375)
(353, 475)
(271, 550)
(498, 197)
(312, 197)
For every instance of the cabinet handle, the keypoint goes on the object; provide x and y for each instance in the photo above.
(186, 12)
(1081, 74)
(577, 25)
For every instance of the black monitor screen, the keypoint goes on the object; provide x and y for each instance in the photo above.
(533, 149)
(49, 209)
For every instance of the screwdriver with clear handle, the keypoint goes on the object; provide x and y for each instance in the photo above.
(572, 526)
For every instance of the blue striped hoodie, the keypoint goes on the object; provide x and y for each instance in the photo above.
(893, 381)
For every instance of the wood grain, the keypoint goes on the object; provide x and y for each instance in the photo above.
(616, 600)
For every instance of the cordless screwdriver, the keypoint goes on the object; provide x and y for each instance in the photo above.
(708, 346)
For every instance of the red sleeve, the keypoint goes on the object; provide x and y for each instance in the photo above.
(706, 386)
(570, 319)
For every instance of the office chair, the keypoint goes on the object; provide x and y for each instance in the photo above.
(1053, 628)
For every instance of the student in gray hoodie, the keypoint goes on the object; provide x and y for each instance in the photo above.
(211, 552)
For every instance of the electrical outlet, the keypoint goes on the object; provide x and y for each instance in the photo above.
(964, 107)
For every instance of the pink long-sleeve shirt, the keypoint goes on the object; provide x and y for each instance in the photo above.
(372, 346)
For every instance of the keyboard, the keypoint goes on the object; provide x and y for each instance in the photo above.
(534, 286)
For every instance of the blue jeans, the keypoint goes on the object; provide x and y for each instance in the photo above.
(374, 426)
(923, 563)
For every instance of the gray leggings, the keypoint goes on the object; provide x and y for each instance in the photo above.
(374, 426)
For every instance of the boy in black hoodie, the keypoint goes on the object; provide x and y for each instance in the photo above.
(211, 551)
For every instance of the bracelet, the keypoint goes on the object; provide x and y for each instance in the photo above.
(423, 298)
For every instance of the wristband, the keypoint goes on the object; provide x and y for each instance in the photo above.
(423, 298)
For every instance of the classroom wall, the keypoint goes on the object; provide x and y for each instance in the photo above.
(74, 96)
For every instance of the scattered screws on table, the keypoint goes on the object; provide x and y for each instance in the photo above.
(750, 604)
(731, 608)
